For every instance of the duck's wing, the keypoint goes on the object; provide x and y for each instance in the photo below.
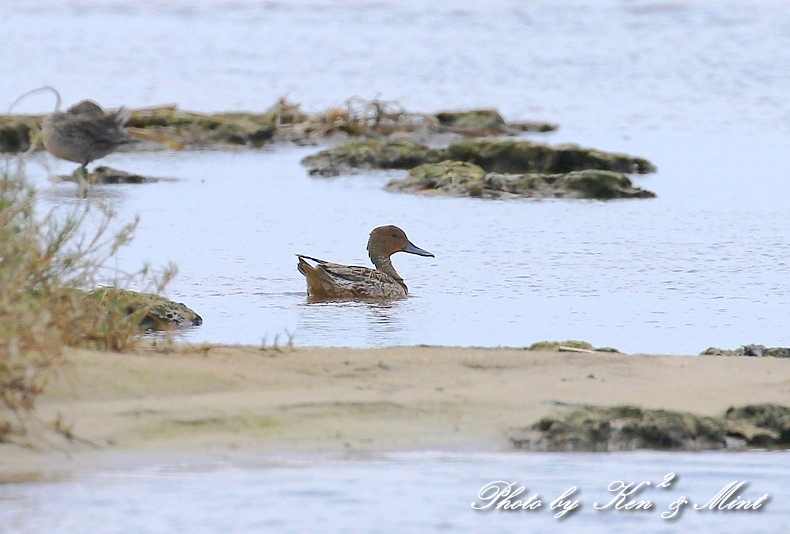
(329, 273)
(106, 131)
(88, 134)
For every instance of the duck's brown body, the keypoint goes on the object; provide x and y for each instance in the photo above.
(84, 133)
(326, 280)
(332, 280)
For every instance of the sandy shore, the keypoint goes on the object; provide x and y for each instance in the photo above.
(328, 399)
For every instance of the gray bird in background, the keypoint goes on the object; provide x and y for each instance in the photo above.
(84, 133)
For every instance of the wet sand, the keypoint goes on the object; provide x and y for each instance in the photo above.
(223, 399)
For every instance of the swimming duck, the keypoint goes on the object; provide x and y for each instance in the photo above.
(84, 133)
(331, 280)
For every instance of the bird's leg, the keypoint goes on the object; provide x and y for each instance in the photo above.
(83, 180)
(82, 173)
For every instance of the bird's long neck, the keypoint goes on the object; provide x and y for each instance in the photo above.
(384, 264)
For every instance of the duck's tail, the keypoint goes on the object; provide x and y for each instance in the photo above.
(303, 266)
(317, 278)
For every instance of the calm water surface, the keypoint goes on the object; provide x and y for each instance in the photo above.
(698, 88)
(595, 64)
(700, 265)
(406, 492)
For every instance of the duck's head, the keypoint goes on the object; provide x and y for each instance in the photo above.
(387, 240)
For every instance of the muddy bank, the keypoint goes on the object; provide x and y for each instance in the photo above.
(219, 398)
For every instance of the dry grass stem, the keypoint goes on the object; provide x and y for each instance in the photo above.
(48, 265)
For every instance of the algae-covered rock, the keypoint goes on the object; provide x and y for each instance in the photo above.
(198, 129)
(110, 318)
(533, 126)
(482, 120)
(357, 118)
(621, 428)
(760, 425)
(448, 177)
(495, 156)
(776, 352)
(370, 154)
(108, 175)
(458, 178)
(155, 312)
(589, 184)
(716, 351)
(758, 351)
(602, 185)
(17, 132)
(167, 123)
(527, 157)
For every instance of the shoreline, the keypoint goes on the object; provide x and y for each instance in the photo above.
(187, 401)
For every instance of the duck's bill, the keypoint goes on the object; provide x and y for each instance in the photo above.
(411, 248)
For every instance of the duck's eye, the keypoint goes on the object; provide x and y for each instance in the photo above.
(394, 235)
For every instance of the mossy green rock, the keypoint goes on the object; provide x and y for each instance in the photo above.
(622, 428)
(476, 119)
(370, 154)
(760, 425)
(197, 129)
(532, 126)
(457, 178)
(191, 129)
(17, 131)
(526, 157)
(108, 175)
(157, 313)
(602, 185)
(494, 156)
(757, 351)
(483, 122)
(716, 351)
(447, 177)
